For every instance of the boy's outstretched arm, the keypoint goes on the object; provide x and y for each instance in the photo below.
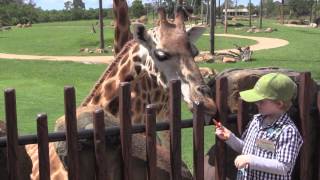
(226, 135)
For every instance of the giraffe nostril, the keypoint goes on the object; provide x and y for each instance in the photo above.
(204, 89)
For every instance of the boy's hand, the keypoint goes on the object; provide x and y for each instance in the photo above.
(222, 132)
(242, 161)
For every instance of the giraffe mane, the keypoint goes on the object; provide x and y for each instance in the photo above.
(106, 73)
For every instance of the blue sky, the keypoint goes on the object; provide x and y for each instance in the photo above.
(59, 4)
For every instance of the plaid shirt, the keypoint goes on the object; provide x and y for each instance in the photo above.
(287, 142)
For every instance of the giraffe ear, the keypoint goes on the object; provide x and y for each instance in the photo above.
(195, 32)
(140, 34)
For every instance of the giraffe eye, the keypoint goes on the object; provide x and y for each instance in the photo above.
(161, 55)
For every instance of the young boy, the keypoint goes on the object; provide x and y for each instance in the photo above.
(271, 143)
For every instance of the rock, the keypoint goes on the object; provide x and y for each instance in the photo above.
(268, 30)
(86, 50)
(314, 25)
(112, 23)
(204, 57)
(229, 60)
(257, 30)
(143, 19)
(296, 21)
(207, 72)
(99, 51)
(7, 28)
(250, 30)
(317, 21)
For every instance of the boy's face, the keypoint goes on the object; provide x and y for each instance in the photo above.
(269, 107)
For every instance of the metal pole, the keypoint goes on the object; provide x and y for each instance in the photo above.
(101, 25)
(212, 25)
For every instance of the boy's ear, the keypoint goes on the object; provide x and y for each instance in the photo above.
(195, 32)
(281, 104)
(140, 34)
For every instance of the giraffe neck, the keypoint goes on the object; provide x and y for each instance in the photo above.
(57, 170)
(148, 86)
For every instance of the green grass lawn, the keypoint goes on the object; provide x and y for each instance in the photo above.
(66, 38)
(39, 85)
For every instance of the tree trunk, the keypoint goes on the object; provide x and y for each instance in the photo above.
(101, 25)
(212, 24)
(226, 16)
(260, 26)
(281, 12)
(201, 12)
(219, 10)
(208, 11)
(250, 23)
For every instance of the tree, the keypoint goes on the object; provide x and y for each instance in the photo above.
(78, 4)
(137, 8)
(300, 7)
(270, 8)
(68, 5)
(230, 4)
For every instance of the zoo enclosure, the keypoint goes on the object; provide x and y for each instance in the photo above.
(99, 133)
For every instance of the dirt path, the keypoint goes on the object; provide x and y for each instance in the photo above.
(297, 25)
(82, 59)
(262, 43)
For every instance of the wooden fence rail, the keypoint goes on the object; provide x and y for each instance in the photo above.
(126, 130)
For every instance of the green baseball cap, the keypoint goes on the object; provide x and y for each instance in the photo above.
(274, 86)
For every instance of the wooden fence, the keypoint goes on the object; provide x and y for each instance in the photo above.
(99, 133)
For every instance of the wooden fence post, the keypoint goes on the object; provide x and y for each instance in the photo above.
(71, 132)
(242, 115)
(125, 128)
(198, 141)
(43, 147)
(304, 109)
(318, 105)
(175, 129)
(99, 144)
(151, 142)
(221, 100)
(12, 134)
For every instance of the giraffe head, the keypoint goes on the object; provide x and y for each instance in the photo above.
(171, 50)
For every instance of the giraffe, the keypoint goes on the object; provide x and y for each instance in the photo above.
(24, 163)
(149, 62)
